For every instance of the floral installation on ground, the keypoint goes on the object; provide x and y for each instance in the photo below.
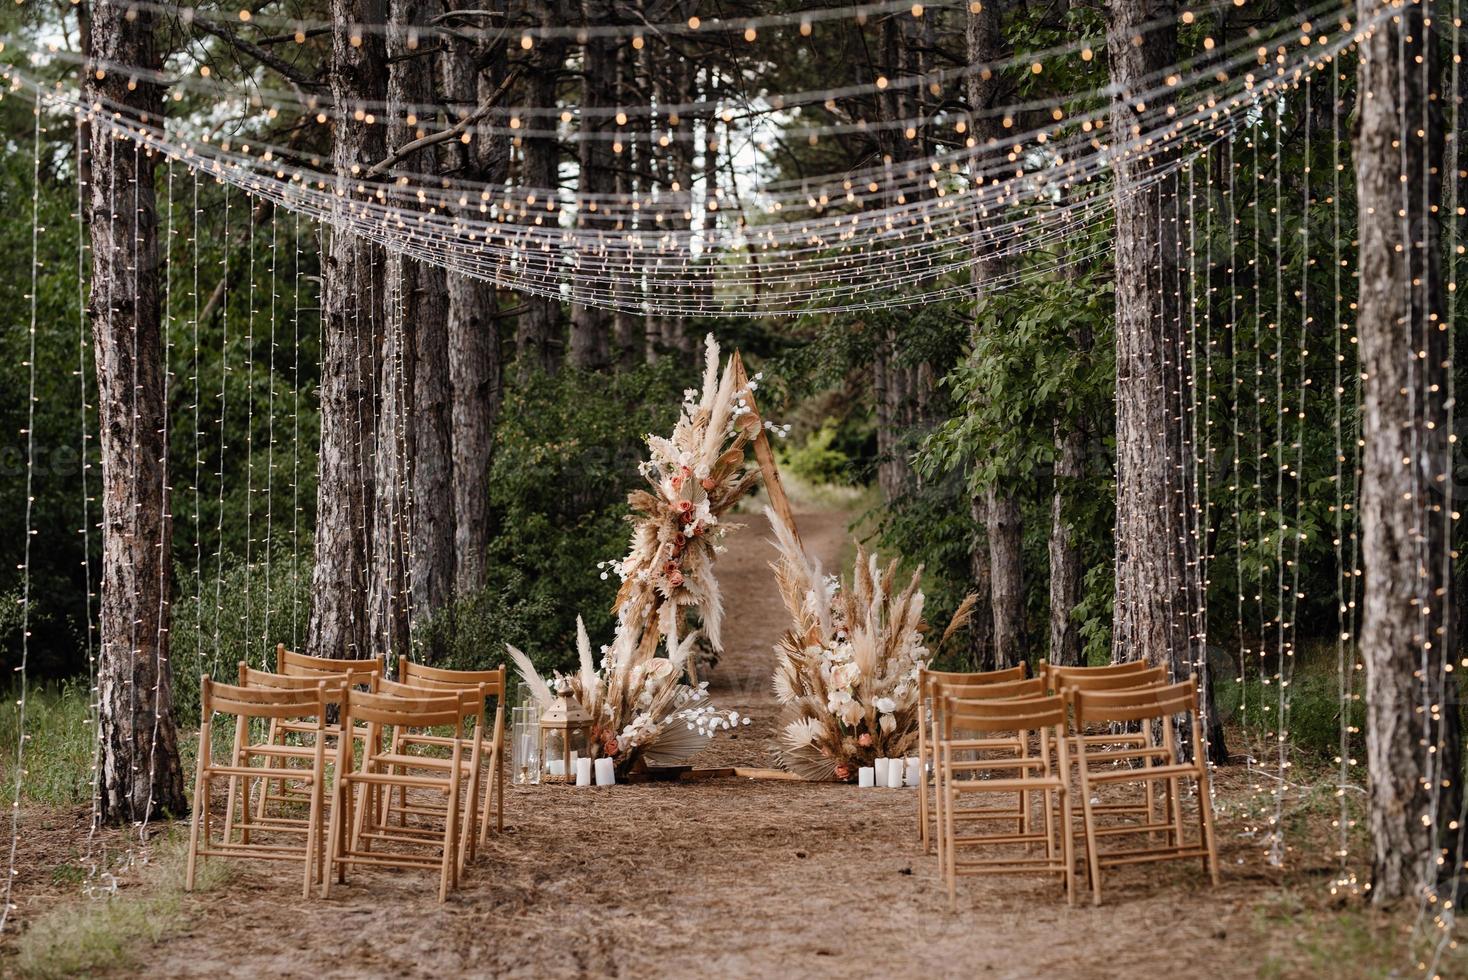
(846, 671)
(642, 711)
(694, 478)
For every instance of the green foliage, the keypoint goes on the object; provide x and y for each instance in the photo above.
(815, 459)
(234, 611)
(567, 453)
(59, 743)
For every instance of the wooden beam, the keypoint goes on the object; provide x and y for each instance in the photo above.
(765, 456)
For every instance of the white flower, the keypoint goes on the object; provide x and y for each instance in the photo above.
(887, 723)
(885, 705)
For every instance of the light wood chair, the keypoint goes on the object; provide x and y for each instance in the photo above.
(358, 834)
(289, 663)
(926, 680)
(1115, 745)
(488, 683)
(246, 704)
(409, 750)
(1148, 706)
(1012, 773)
(1031, 687)
(1056, 675)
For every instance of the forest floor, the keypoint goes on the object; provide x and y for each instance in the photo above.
(738, 877)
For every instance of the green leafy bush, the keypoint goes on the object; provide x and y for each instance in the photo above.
(567, 453)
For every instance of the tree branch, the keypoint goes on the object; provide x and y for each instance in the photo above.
(444, 135)
(267, 58)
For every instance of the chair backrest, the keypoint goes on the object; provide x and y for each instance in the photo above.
(423, 676)
(1019, 714)
(304, 665)
(470, 699)
(1031, 687)
(927, 678)
(1151, 677)
(1136, 703)
(263, 702)
(250, 677)
(389, 709)
(1057, 676)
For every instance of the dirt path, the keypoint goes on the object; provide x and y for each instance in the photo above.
(730, 878)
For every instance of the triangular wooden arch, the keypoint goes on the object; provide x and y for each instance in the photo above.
(764, 455)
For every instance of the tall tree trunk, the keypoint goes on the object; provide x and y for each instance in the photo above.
(475, 370)
(590, 346)
(422, 312)
(1413, 744)
(1153, 605)
(1065, 557)
(999, 510)
(138, 773)
(538, 342)
(351, 313)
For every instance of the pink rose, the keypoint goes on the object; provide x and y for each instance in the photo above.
(610, 746)
(684, 507)
(675, 578)
(843, 772)
(864, 740)
(708, 483)
(677, 482)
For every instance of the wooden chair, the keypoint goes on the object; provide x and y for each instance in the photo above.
(1116, 745)
(408, 750)
(358, 834)
(488, 683)
(1147, 706)
(1056, 675)
(926, 680)
(358, 673)
(1032, 687)
(1012, 773)
(247, 703)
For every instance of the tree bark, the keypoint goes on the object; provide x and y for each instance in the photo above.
(1413, 745)
(1003, 525)
(538, 341)
(1065, 558)
(1153, 604)
(421, 290)
(138, 771)
(590, 345)
(351, 313)
(475, 368)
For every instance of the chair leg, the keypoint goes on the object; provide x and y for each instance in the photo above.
(313, 831)
(201, 810)
(241, 739)
(951, 865)
(339, 794)
(1205, 820)
(1067, 846)
(265, 783)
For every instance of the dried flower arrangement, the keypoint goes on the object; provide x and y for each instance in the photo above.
(847, 670)
(641, 709)
(694, 478)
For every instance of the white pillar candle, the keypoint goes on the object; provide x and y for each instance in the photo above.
(894, 774)
(866, 776)
(914, 770)
(879, 769)
(556, 767)
(606, 775)
(583, 772)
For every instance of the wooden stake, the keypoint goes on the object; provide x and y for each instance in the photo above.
(764, 455)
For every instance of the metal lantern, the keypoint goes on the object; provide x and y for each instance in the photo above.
(565, 729)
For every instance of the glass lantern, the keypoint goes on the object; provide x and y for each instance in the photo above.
(524, 747)
(565, 728)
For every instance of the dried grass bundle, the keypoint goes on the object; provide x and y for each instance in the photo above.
(846, 671)
(694, 477)
(640, 707)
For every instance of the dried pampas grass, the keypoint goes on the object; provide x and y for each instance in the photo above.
(846, 671)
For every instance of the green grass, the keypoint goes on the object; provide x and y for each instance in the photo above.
(90, 935)
(59, 745)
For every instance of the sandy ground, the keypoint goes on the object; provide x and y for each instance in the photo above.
(728, 877)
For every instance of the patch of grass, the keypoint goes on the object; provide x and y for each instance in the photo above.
(58, 749)
(108, 932)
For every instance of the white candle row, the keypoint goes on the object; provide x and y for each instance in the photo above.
(890, 773)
